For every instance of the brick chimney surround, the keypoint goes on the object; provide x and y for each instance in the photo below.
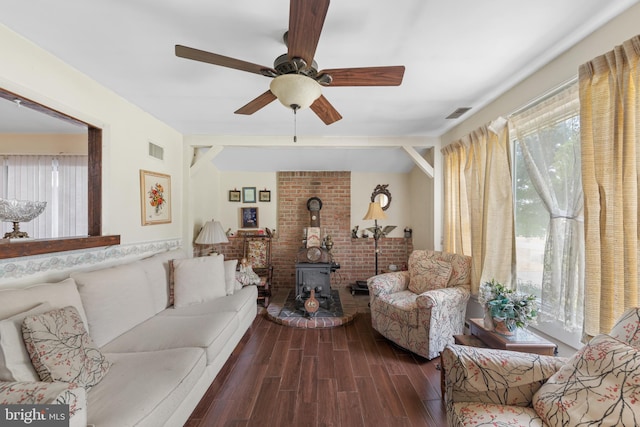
(355, 256)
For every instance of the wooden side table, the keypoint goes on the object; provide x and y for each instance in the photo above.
(522, 340)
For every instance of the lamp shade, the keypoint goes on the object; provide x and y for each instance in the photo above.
(211, 234)
(295, 91)
(375, 212)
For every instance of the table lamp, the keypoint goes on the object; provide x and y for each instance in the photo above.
(211, 234)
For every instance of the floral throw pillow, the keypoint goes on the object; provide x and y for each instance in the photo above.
(426, 274)
(599, 385)
(61, 349)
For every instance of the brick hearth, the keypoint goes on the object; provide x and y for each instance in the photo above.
(351, 306)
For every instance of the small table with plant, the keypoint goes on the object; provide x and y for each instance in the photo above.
(507, 314)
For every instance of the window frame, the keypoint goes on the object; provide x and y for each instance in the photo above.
(15, 249)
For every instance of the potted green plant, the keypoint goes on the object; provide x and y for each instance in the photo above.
(507, 308)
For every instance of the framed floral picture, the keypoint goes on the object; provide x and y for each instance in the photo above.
(155, 197)
(234, 195)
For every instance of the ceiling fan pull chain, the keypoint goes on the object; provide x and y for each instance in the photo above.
(295, 122)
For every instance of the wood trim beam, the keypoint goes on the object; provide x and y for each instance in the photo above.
(207, 157)
(419, 160)
(15, 249)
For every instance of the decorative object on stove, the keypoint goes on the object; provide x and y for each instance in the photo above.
(311, 304)
(375, 213)
(17, 211)
(328, 242)
(314, 204)
(211, 234)
(313, 237)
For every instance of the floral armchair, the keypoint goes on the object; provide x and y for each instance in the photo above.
(257, 251)
(599, 385)
(423, 308)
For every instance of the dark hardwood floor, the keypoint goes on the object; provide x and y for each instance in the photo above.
(346, 376)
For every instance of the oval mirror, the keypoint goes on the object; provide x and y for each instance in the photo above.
(382, 195)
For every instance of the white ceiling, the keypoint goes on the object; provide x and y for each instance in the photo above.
(461, 53)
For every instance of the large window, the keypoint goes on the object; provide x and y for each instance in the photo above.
(60, 181)
(548, 206)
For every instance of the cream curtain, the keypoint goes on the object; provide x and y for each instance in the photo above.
(610, 135)
(457, 222)
(61, 181)
(478, 188)
(549, 139)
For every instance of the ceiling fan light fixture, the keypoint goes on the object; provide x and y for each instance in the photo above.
(295, 91)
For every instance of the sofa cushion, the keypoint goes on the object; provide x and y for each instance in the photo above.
(398, 307)
(242, 300)
(197, 280)
(599, 385)
(209, 332)
(474, 414)
(230, 275)
(427, 273)
(116, 299)
(156, 268)
(161, 381)
(62, 350)
(15, 363)
(58, 295)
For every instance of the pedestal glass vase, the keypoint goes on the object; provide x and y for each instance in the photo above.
(488, 319)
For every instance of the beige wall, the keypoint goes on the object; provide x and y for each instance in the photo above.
(20, 143)
(126, 132)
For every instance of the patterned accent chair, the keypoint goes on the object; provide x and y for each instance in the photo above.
(599, 385)
(257, 251)
(423, 308)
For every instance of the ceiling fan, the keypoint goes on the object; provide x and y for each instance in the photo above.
(296, 80)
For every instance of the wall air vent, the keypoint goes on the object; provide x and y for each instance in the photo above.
(156, 151)
(460, 111)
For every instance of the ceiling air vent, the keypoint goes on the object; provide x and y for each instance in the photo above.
(156, 151)
(460, 111)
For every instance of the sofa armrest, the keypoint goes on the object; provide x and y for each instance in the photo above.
(388, 283)
(495, 376)
(48, 393)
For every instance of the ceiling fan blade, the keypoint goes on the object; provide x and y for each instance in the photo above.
(223, 61)
(306, 18)
(367, 76)
(253, 106)
(325, 110)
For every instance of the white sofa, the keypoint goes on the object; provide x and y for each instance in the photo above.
(162, 356)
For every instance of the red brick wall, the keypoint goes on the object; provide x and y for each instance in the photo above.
(356, 256)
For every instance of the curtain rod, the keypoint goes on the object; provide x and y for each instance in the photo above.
(546, 95)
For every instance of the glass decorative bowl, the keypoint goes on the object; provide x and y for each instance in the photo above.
(17, 211)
